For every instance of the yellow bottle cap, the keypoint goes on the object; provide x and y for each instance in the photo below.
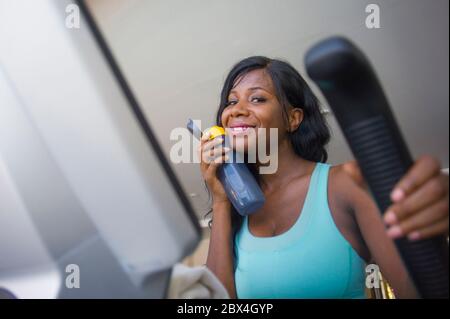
(215, 131)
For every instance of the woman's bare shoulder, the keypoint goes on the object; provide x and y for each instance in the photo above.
(341, 184)
(340, 176)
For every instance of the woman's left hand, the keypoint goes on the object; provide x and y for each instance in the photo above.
(419, 200)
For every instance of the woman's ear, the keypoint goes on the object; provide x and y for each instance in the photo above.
(295, 118)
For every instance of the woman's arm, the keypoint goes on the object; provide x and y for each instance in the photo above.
(373, 231)
(220, 252)
(419, 210)
(382, 248)
(420, 200)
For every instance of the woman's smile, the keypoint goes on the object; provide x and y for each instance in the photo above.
(240, 129)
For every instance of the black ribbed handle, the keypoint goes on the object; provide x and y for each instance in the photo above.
(373, 146)
(352, 89)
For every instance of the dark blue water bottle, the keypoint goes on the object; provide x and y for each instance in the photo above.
(240, 185)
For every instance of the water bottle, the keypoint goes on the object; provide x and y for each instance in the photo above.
(240, 185)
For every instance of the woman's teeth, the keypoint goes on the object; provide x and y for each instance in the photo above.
(239, 129)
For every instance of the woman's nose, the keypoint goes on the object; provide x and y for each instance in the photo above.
(239, 109)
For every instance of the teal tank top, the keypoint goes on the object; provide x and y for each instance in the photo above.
(310, 260)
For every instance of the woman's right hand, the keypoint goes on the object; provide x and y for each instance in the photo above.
(212, 155)
(220, 251)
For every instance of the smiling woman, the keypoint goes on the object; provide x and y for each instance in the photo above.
(318, 227)
(284, 95)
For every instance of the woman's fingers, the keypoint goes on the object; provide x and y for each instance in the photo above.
(212, 144)
(432, 191)
(417, 223)
(420, 202)
(209, 149)
(205, 137)
(422, 170)
(213, 165)
(212, 155)
(435, 229)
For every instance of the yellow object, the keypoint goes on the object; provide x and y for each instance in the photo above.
(215, 131)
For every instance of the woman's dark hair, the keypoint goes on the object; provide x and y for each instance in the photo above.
(291, 89)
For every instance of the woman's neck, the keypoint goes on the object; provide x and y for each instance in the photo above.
(290, 166)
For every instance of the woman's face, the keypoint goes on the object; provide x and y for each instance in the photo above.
(253, 105)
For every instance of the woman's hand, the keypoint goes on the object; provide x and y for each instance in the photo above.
(212, 155)
(419, 200)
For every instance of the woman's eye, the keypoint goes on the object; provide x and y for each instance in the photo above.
(231, 103)
(258, 100)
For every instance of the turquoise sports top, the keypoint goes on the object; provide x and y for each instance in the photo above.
(310, 260)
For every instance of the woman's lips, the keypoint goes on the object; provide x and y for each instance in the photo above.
(240, 130)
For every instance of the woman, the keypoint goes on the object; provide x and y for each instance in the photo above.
(319, 226)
